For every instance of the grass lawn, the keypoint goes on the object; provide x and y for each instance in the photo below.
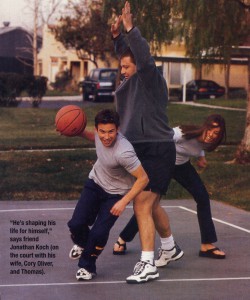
(60, 175)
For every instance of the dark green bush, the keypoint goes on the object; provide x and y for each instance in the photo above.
(237, 93)
(11, 86)
(63, 79)
(36, 87)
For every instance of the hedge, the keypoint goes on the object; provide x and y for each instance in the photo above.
(12, 85)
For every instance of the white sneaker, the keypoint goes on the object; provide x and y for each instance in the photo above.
(75, 252)
(83, 274)
(166, 256)
(143, 271)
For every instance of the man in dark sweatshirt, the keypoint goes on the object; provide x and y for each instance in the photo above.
(141, 101)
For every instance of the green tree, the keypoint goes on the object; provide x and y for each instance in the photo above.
(153, 17)
(211, 29)
(85, 31)
(87, 27)
(214, 29)
(242, 155)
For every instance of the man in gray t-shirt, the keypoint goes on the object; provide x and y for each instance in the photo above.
(116, 178)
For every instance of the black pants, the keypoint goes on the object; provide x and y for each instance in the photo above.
(92, 209)
(187, 176)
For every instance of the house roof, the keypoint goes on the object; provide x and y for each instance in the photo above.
(8, 29)
(16, 42)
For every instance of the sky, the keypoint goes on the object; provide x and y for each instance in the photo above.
(17, 12)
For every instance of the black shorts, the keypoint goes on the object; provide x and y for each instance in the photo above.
(158, 160)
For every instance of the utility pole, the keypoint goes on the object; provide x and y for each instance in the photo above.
(36, 9)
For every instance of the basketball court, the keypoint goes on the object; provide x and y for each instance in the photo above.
(43, 225)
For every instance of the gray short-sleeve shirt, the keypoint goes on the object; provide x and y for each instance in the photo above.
(112, 169)
(185, 149)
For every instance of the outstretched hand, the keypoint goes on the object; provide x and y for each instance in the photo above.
(115, 27)
(125, 18)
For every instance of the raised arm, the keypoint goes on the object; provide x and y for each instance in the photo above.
(116, 27)
(133, 39)
(120, 40)
(126, 17)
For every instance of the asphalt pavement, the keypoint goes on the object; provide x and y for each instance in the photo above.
(35, 243)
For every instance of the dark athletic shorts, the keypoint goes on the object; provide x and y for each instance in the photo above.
(158, 160)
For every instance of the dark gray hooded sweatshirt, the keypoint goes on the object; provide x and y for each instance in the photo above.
(141, 101)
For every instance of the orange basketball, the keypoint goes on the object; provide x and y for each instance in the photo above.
(70, 120)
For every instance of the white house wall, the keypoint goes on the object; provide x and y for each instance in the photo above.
(53, 58)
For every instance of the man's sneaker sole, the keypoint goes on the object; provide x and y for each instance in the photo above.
(75, 252)
(143, 272)
(147, 278)
(177, 257)
(83, 274)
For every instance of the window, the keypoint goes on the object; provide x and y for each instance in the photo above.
(175, 73)
(96, 75)
(107, 75)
